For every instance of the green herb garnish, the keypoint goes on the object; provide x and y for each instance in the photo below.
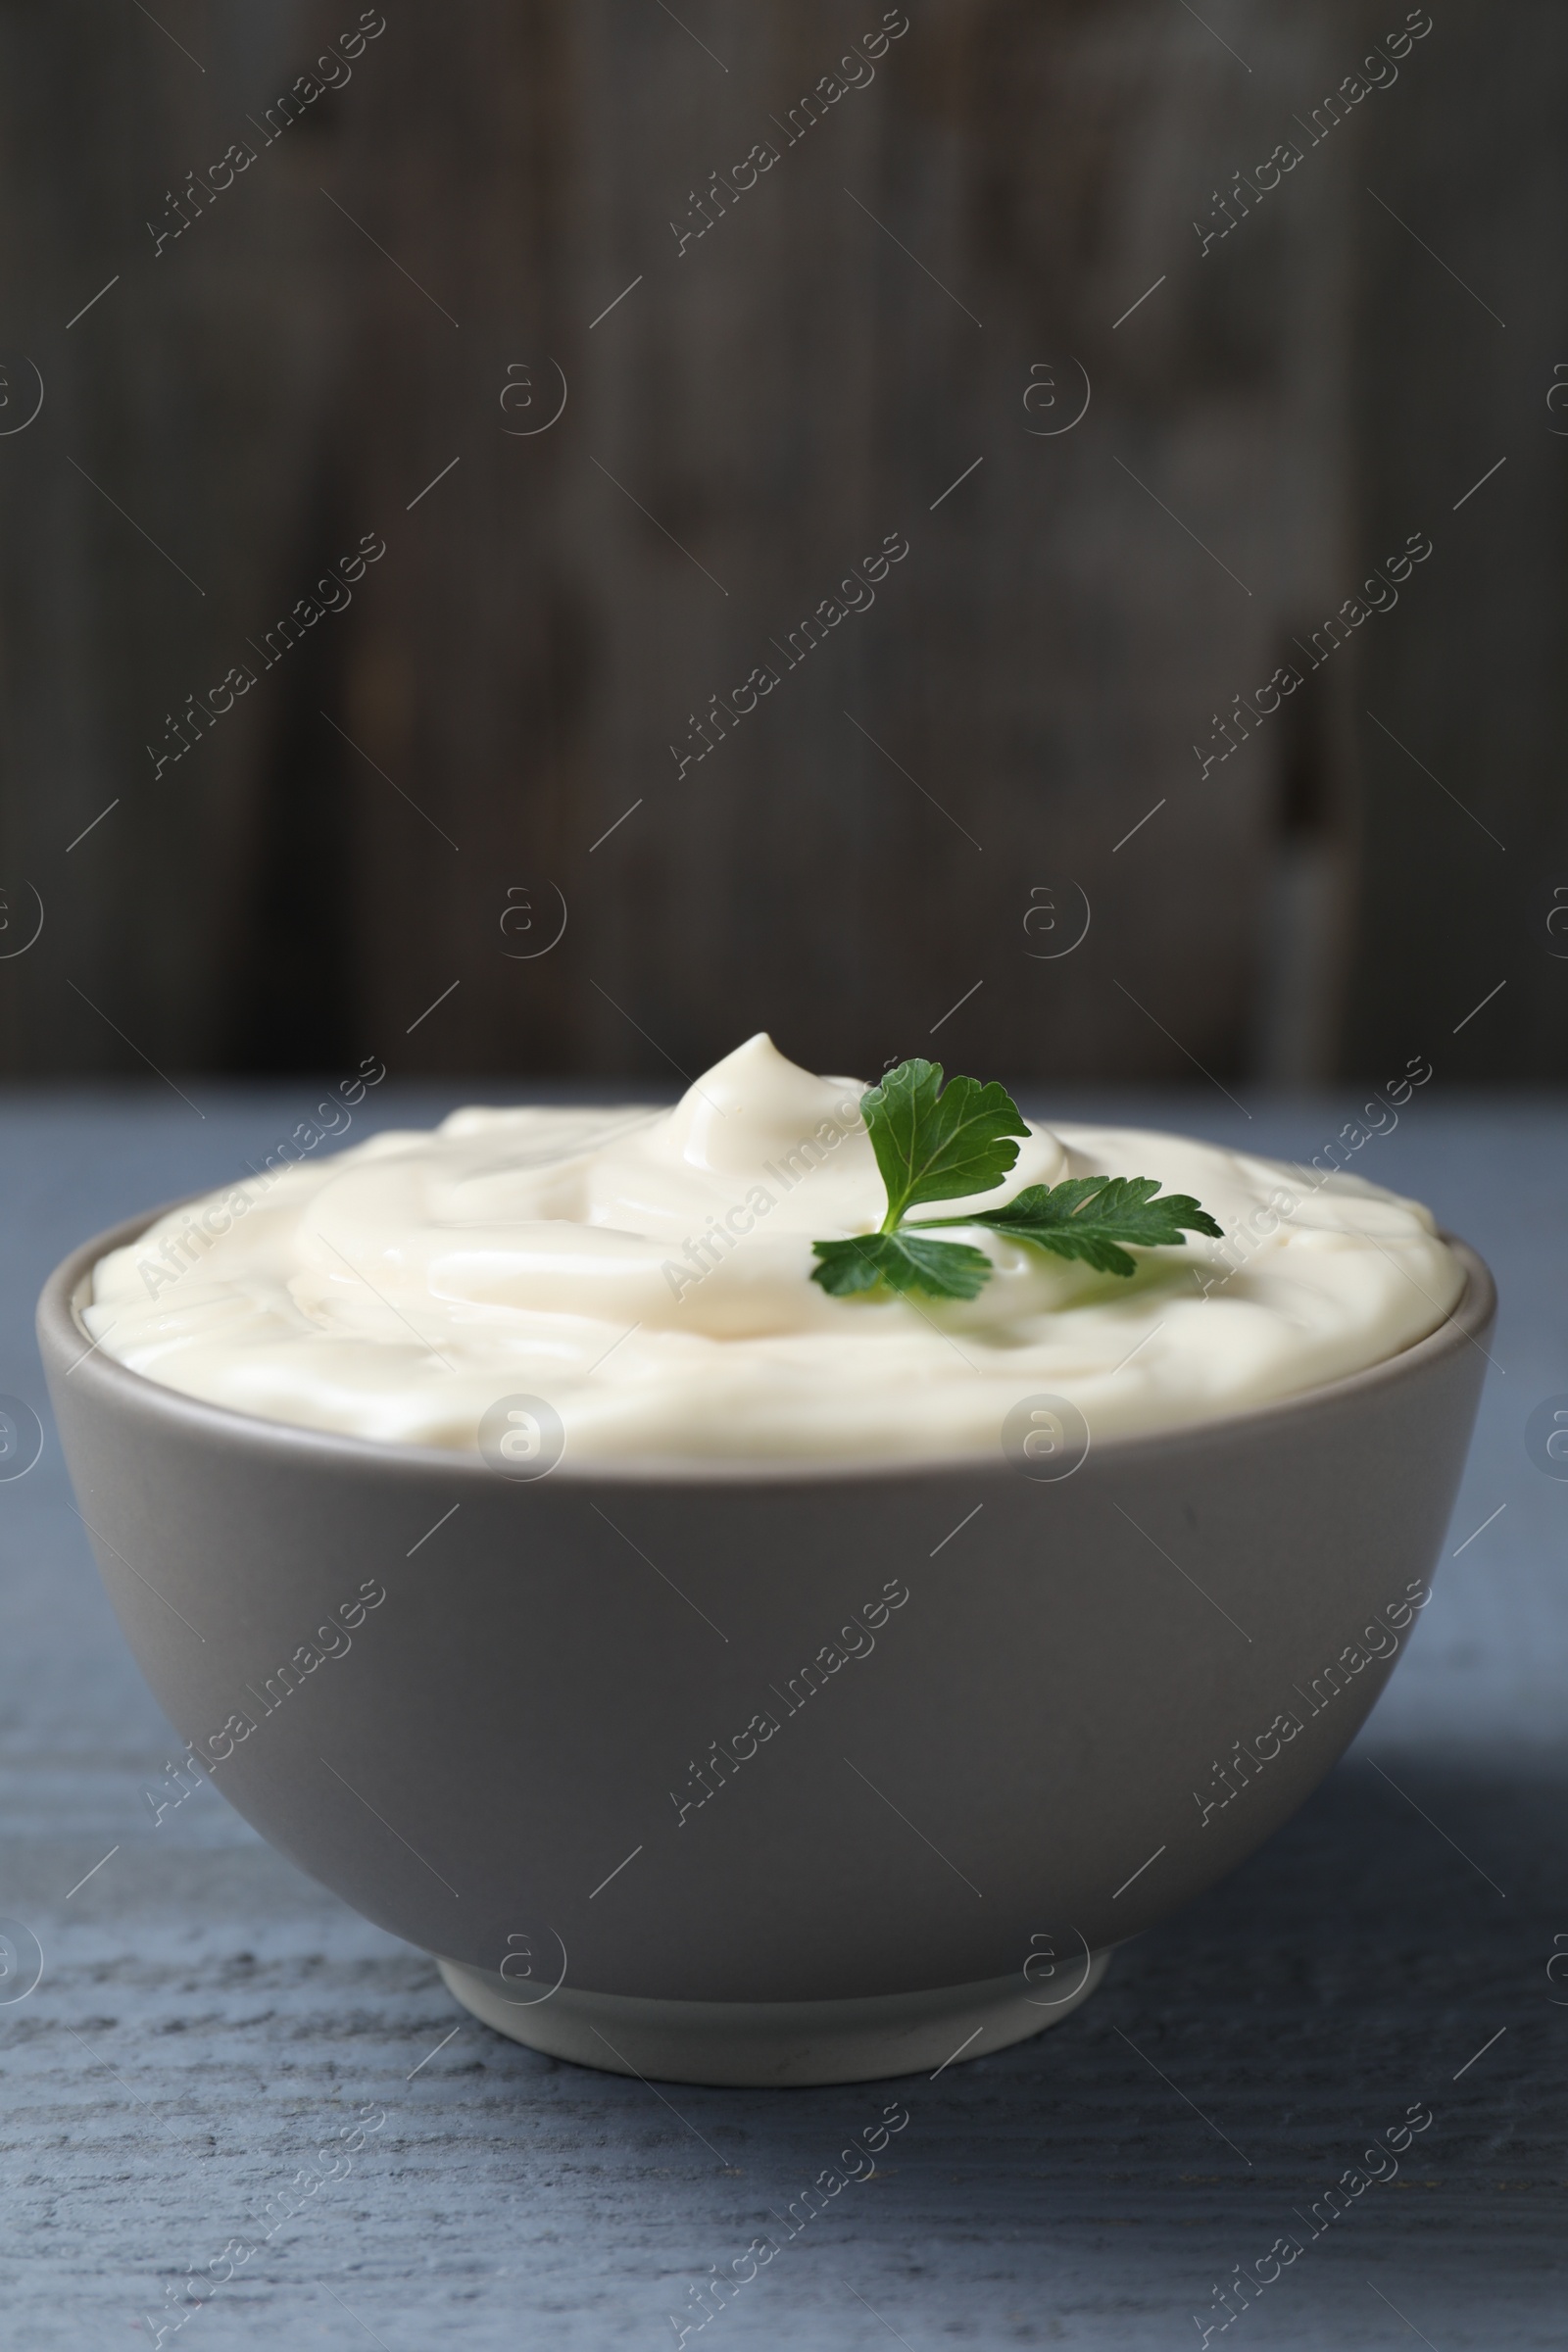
(936, 1142)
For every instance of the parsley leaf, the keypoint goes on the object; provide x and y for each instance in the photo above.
(899, 1261)
(936, 1143)
(943, 1142)
(1089, 1218)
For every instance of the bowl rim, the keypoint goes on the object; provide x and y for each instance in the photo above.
(116, 1385)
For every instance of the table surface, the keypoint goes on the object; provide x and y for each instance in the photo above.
(206, 2013)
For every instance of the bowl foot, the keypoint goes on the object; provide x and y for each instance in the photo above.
(764, 2044)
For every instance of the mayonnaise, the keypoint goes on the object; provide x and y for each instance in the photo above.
(648, 1274)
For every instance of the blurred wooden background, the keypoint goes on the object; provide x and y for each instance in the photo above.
(902, 820)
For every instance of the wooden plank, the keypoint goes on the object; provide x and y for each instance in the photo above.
(761, 404)
(1463, 704)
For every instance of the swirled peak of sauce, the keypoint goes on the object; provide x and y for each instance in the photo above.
(648, 1274)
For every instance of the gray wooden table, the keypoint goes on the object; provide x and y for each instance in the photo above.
(206, 2017)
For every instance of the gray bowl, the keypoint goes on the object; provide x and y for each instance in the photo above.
(778, 1773)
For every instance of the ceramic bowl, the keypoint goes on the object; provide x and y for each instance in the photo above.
(777, 1773)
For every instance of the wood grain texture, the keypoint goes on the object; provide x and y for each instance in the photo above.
(1466, 824)
(771, 399)
(779, 394)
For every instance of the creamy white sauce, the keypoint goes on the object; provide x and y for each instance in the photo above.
(648, 1273)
